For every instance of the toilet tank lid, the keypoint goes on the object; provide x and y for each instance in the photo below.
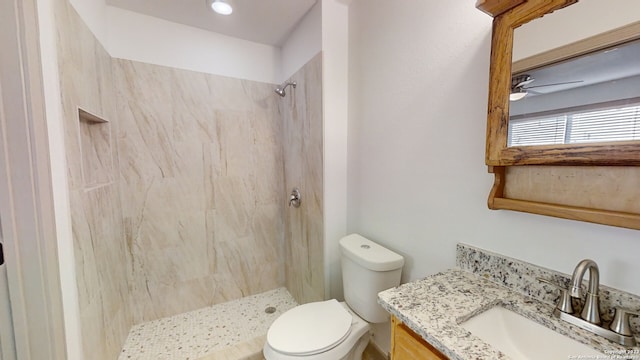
(370, 255)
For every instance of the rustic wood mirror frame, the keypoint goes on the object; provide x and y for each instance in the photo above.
(508, 15)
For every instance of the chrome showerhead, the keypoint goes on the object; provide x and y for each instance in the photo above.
(280, 89)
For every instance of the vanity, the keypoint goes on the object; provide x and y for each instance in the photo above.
(406, 344)
(430, 316)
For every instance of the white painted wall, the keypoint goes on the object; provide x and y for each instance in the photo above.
(576, 22)
(335, 87)
(93, 12)
(417, 180)
(129, 35)
(62, 208)
(303, 44)
(151, 40)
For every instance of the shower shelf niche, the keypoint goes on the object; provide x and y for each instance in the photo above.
(96, 150)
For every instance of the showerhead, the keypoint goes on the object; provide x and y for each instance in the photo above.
(280, 89)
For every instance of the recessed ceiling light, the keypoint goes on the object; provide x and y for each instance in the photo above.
(220, 6)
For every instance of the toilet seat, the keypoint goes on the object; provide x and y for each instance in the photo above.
(310, 328)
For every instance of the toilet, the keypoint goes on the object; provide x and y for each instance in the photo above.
(332, 330)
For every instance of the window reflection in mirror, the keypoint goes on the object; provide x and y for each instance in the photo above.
(558, 97)
(591, 98)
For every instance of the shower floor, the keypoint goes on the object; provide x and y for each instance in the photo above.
(233, 330)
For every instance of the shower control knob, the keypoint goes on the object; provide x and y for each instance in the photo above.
(294, 198)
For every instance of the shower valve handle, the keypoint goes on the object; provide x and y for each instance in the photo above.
(294, 198)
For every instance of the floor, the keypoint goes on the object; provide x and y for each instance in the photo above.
(230, 331)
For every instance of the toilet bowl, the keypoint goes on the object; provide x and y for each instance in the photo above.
(338, 333)
(332, 330)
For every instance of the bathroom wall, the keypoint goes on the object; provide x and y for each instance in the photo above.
(133, 36)
(139, 37)
(301, 111)
(304, 42)
(335, 111)
(202, 174)
(86, 82)
(417, 179)
(559, 29)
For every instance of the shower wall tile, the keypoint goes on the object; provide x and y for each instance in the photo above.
(86, 82)
(201, 183)
(303, 148)
(189, 210)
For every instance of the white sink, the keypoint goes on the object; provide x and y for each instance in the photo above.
(521, 338)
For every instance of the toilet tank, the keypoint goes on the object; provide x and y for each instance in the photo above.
(367, 269)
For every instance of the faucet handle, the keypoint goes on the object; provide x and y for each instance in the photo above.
(564, 304)
(620, 323)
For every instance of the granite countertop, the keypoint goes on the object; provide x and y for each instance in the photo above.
(435, 306)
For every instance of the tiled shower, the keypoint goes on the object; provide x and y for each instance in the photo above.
(179, 184)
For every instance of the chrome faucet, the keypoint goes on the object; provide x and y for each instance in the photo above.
(590, 310)
(618, 330)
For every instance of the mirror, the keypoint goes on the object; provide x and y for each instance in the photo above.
(591, 98)
(587, 98)
(539, 63)
(578, 176)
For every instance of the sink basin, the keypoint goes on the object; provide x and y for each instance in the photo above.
(521, 338)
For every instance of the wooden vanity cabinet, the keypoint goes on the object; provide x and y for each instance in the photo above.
(407, 345)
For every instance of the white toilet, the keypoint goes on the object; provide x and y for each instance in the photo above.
(332, 330)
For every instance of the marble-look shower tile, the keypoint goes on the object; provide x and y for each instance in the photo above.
(240, 262)
(194, 116)
(94, 326)
(80, 58)
(99, 248)
(267, 227)
(229, 94)
(168, 258)
(201, 169)
(175, 296)
(234, 206)
(97, 155)
(236, 143)
(84, 251)
(144, 106)
(212, 166)
(303, 148)
(102, 284)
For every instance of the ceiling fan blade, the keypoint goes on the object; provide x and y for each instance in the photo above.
(523, 83)
(560, 83)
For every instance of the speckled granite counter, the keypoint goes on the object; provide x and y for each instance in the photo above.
(435, 306)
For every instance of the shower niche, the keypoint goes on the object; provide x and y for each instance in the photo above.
(96, 150)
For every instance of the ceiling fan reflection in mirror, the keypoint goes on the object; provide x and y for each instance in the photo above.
(519, 88)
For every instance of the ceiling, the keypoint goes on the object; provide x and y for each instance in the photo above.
(617, 62)
(263, 21)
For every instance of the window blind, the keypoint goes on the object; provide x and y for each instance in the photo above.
(606, 125)
(540, 131)
(609, 124)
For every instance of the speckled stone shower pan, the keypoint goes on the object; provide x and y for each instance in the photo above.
(234, 330)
